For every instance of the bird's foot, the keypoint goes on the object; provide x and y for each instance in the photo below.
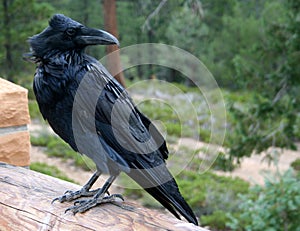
(82, 206)
(72, 195)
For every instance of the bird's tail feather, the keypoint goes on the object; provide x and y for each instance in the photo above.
(171, 201)
(166, 193)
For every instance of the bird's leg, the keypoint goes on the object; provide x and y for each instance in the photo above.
(83, 192)
(99, 198)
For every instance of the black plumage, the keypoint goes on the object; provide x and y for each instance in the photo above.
(94, 114)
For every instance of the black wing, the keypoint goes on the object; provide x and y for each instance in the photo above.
(116, 120)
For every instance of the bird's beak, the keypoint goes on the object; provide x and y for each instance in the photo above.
(96, 37)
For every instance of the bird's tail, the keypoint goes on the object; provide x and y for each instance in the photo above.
(171, 200)
(166, 193)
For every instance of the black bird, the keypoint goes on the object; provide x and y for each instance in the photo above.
(94, 114)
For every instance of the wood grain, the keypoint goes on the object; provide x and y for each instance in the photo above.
(25, 204)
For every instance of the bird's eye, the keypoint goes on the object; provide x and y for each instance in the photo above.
(71, 32)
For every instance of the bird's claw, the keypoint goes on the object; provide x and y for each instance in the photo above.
(81, 206)
(55, 199)
(70, 195)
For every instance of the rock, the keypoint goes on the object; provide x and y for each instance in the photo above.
(14, 118)
(14, 148)
(13, 104)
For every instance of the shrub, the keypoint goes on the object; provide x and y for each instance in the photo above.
(275, 206)
(223, 163)
(296, 164)
(217, 220)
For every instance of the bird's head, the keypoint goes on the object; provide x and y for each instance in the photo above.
(64, 34)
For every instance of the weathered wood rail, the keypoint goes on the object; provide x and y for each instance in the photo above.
(25, 204)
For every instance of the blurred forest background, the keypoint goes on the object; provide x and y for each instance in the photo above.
(252, 48)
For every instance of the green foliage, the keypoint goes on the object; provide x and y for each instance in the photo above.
(259, 126)
(269, 69)
(274, 207)
(42, 139)
(223, 163)
(188, 23)
(19, 20)
(216, 220)
(34, 111)
(49, 170)
(296, 164)
(204, 135)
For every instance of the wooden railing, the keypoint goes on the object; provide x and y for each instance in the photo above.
(25, 204)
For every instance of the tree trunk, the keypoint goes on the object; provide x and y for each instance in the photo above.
(110, 25)
(150, 40)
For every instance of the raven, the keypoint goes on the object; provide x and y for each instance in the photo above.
(95, 115)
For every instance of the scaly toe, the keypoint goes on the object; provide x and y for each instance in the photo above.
(81, 206)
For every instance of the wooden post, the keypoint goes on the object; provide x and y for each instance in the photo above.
(14, 117)
(25, 204)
